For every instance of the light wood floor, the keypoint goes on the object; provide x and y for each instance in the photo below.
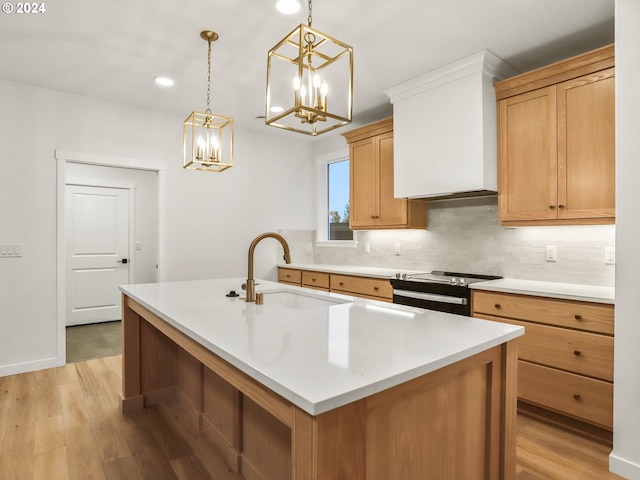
(65, 423)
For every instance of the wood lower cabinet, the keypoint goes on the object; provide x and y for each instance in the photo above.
(556, 143)
(565, 356)
(290, 276)
(354, 285)
(373, 288)
(315, 280)
(372, 202)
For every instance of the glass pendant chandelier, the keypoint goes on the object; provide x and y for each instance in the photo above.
(208, 138)
(309, 82)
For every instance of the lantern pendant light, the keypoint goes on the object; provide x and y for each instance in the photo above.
(208, 138)
(309, 82)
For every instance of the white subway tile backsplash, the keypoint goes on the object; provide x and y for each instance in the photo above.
(464, 235)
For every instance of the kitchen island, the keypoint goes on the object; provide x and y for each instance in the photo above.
(315, 385)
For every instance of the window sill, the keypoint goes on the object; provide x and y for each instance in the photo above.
(337, 243)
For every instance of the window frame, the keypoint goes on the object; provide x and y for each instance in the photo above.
(322, 200)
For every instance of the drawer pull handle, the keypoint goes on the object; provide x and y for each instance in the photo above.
(576, 396)
(577, 353)
(497, 305)
(340, 283)
(578, 317)
(375, 289)
(313, 279)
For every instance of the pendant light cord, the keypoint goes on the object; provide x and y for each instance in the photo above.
(209, 79)
(309, 17)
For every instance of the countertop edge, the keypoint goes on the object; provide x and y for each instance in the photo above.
(562, 291)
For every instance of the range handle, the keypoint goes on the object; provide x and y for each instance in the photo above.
(433, 297)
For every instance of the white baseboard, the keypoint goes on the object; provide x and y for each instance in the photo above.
(25, 367)
(624, 467)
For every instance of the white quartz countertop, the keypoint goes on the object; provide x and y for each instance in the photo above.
(329, 351)
(566, 291)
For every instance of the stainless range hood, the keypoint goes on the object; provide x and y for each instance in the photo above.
(444, 123)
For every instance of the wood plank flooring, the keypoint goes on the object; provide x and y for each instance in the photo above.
(65, 423)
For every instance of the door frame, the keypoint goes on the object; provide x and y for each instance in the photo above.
(63, 157)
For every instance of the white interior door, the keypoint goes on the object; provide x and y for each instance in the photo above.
(97, 252)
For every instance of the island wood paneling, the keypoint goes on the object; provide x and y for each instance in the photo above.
(459, 418)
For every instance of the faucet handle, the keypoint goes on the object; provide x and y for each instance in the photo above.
(243, 286)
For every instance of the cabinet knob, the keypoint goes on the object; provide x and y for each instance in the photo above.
(578, 317)
(576, 396)
(552, 207)
(577, 353)
(313, 279)
(560, 206)
(288, 276)
(340, 283)
(497, 305)
(375, 289)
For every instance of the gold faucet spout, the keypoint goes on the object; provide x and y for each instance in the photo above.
(251, 283)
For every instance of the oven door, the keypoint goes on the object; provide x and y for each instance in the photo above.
(433, 301)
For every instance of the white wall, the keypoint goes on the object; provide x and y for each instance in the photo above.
(209, 218)
(625, 458)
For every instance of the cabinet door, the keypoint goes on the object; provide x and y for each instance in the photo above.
(528, 156)
(364, 181)
(586, 146)
(393, 211)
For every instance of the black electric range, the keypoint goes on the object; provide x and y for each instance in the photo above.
(437, 290)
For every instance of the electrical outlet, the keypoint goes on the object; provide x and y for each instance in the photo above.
(550, 254)
(367, 248)
(398, 249)
(610, 255)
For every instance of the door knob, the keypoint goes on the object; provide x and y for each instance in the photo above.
(124, 260)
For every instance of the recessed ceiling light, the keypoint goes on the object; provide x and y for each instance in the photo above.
(164, 81)
(276, 109)
(288, 7)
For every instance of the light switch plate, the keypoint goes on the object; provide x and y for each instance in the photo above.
(10, 250)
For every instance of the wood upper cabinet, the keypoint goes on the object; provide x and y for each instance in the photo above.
(556, 141)
(372, 204)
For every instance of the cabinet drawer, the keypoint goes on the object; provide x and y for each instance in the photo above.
(563, 313)
(362, 286)
(318, 280)
(581, 397)
(580, 352)
(289, 275)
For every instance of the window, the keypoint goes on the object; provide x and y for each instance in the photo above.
(332, 171)
(338, 200)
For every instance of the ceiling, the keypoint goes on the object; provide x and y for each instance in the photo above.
(113, 49)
